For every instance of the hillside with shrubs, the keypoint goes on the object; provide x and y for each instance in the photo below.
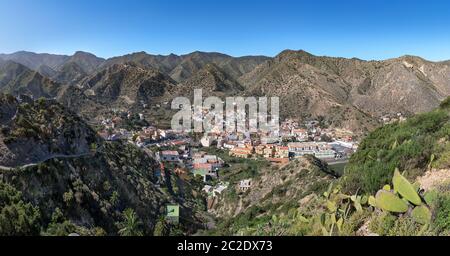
(397, 184)
(82, 184)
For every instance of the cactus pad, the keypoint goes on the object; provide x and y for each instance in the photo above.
(421, 214)
(405, 189)
(390, 202)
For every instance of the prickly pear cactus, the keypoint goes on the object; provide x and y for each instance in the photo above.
(405, 189)
(372, 201)
(388, 201)
(421, 214)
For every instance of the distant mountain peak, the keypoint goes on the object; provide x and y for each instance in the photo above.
(18, 79)
(212, 79)
(87, 61)
(288, 54)
(210, 54)
(35, 60)
(412, 58)
(83, 54)
(137, 53)
(8, 64)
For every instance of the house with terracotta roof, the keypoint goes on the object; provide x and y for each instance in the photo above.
(300, 134)
(259, 150)
(241, 152)
(281, 152)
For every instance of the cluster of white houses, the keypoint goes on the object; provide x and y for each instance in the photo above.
(290, 141)
(320, 150)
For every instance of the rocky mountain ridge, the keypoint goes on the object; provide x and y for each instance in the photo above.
(347, 93)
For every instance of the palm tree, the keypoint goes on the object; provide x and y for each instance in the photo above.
(130, 225)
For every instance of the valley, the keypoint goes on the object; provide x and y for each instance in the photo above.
(86, 146)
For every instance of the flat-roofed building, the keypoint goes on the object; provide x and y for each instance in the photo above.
(318, 149)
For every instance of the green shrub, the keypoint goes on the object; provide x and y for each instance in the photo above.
(381, 224)
(441, 223)
(445, 104)
(354, 223)
(407, 146)
(161, 228)
(17, 218)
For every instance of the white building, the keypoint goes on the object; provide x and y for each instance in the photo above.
(169, 156)
(206, 141)
(245, 185)
(219, 189)
(320, 150)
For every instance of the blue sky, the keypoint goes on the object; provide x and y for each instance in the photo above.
(376, 29)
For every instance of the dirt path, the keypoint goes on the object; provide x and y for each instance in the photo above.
(434, 178)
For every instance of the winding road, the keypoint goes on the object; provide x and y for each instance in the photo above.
(6, 168)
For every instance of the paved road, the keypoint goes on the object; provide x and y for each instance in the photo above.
(343, 161)
(6, 168)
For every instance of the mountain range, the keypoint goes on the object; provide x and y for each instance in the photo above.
(347, 93)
